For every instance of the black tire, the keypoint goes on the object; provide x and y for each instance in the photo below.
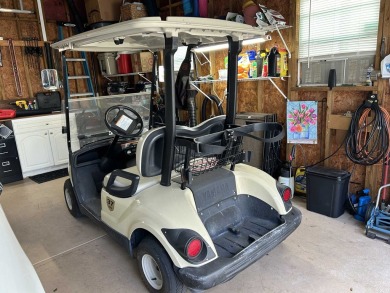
(70, 199)
(370, 209)
(156, 268)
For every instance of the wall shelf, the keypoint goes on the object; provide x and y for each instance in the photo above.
(269, 78)
(357, 88)
(124, 74)
(239, 80)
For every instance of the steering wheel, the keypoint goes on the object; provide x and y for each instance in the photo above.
(123, 121)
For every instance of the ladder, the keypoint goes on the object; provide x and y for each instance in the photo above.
(83, 60)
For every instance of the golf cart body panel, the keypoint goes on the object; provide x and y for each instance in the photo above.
(185, 186)
(149, 210)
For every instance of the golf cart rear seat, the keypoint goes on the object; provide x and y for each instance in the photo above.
(123, 183)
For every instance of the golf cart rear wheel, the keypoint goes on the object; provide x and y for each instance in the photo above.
(70, 199)
(370, 208)
(156, 268)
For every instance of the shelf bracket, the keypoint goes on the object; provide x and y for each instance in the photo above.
(284, 43)
(279, 90)
(143, 77)
(199, 90)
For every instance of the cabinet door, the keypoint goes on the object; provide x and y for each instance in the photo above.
(58, 146)
(34, 150)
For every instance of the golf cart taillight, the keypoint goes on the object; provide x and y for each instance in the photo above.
(284, 191)
(189, 244)
(194, 247)
(286, 194)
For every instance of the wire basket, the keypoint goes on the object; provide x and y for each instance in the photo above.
(193, 158)
(197, 155)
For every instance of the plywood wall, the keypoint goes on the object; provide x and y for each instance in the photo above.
(20, 26)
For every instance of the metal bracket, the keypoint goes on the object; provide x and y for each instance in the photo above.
(279, 90)
(284, 43)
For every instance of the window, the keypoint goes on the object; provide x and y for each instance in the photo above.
(336, 34)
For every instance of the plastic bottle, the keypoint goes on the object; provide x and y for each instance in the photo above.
(259, 62)
(273, 60)
(203, 5)
(264, 71)
(368, 75)
(187, 7)
(252, 64)
(253, 69)
(195, 6)
(283, 62)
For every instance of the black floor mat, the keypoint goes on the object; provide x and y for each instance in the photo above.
(50, 176)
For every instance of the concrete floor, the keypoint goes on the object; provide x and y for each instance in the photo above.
(72, 255)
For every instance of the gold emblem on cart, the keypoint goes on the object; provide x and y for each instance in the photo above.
(110, 204)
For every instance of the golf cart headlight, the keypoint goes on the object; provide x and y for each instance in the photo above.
(189, 244)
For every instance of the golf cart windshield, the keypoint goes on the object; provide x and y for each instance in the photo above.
(87, 115)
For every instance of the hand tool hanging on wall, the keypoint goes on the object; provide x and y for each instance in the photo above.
(48, 56)
(33, 52)
(38, 53)
(15, 67)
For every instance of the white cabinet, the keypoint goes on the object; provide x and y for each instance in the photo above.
(41, 144)
(59, 146)
(34, 150)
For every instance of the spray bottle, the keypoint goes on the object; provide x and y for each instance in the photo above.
(286, 174)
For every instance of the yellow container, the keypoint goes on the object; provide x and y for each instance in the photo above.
(300, 180)
(283, 62)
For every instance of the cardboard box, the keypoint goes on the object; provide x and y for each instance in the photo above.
(103, 10)
(146, 61)
(136, 62)
(133, 11)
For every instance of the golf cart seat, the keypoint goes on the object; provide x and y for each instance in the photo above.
(127, 182)
(150, 146)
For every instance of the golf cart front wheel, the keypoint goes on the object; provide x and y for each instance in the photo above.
(156, 268)
(70, 199)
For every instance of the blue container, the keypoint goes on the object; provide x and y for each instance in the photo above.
(363, 203)
(187, 7)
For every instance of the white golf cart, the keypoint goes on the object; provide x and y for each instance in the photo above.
(185, 205)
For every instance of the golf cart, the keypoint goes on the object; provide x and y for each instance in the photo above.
(184, 205)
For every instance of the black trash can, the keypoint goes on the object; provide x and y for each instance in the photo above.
(327, 190)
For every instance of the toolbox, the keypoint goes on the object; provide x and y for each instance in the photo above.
(49, 101)
(7, 114)
(326, 190)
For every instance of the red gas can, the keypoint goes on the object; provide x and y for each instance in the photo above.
(123, 62)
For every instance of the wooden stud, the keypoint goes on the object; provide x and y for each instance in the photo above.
(329, 108)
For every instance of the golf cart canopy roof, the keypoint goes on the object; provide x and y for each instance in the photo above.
(147, 33)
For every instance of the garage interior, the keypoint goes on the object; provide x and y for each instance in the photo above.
(328, 252)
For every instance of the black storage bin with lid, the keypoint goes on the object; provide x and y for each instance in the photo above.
(327, 190)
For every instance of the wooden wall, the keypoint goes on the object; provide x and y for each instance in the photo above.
(339, 101)
(16, 27)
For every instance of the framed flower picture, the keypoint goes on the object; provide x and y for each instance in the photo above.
(302, 118)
